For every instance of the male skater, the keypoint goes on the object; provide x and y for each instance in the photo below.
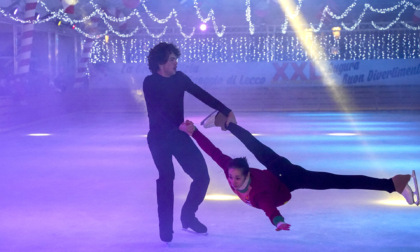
(164, 94)
(271, 188)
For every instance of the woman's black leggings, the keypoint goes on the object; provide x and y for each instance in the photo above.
(296, 177)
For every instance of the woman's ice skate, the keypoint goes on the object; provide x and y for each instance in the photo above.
(215, 119)
(410, 196)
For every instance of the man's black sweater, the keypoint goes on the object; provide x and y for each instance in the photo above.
(165, 100)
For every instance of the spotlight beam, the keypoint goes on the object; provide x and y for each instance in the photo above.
(312, 47)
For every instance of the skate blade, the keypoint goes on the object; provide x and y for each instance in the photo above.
(416, 188)
(205, 119)
(193, 232)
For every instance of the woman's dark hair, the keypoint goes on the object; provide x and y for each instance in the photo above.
(159, 55)
(240, 163)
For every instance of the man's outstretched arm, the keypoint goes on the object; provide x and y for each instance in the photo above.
(203, 95)
(206, 145)
(208, 99)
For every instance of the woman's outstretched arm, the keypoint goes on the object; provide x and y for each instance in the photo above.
(206, 145)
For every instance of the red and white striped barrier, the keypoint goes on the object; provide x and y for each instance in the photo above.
(82, 70)
(27, 38)
(82, 75)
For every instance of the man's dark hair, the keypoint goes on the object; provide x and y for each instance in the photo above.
(240, 163)
(159, 55)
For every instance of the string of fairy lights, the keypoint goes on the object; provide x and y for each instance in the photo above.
(267, 48)
(382, 42)
(111, 23)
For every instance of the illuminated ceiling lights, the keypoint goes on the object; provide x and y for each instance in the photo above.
(39, 134)
(14, 11)
(336, 31)
(342, 134)
(402, 6)
(221, 197)
(357, 45)
(203, 27)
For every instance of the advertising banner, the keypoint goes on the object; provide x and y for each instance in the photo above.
(264, 74)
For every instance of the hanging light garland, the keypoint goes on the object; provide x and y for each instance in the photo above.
(211, 17)
(292, 16)
(402, 4)
(106, 19)
(268, 48)
(248, 17)
(393, 22)
(327, 11)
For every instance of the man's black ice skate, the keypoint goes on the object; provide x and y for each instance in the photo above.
(195, 225)
(165, 234)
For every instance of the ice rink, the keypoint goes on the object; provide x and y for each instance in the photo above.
(90, 185)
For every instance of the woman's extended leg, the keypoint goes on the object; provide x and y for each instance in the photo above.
(263, 153)
(300, 178)
(296, 177)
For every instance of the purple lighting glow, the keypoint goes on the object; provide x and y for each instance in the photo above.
(92, 185)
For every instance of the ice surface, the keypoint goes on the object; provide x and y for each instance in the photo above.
(90, 185)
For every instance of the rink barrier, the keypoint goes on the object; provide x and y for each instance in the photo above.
(27, 38)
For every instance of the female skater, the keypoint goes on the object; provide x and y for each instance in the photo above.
(271, 188)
